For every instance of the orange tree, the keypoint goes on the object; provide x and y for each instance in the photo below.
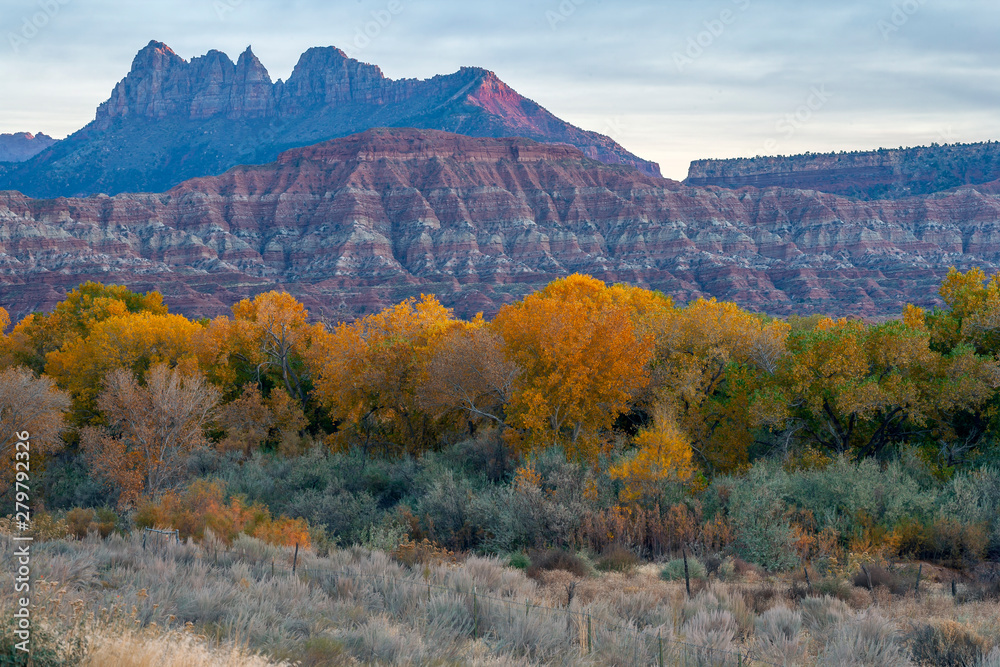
(369, 374)
(583, 359)
(265, 342)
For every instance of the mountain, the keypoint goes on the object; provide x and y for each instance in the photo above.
(170, 119)
(880, 174)
(354, 224)
(23, 146)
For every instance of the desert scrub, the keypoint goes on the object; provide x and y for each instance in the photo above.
(866, 641)
(946, 644)
(674, 569)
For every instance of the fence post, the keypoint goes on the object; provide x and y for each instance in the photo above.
(590, 645)
(272, 568)
(475, 615)
(659, 645)
(916, 587)
(295, 559)
(687, 578)
(144, 533)
(954, 589)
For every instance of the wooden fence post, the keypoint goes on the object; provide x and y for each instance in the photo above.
(295, 559)
(687, 578)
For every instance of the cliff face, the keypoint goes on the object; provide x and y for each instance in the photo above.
(23, 146)
(355, 224)
(881, 174)
(169, 119)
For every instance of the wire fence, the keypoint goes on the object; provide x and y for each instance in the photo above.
(507, 623)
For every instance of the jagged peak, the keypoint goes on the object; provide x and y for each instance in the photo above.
(154, 54)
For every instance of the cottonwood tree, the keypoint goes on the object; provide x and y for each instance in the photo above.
(583, 361)
(369, 373)
(133, 341)
(470, 371)
(150, 429)
(266, 339)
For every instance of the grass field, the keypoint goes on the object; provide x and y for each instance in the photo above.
(112, 602)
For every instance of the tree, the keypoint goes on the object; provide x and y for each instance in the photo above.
(469, 370)
(133, 341)
(369, 373)
(150, 429)
(583, 361)
(709, 358)
(74, 317)
(31, 405)
(857, 389)
(267, 339)
(663, 454)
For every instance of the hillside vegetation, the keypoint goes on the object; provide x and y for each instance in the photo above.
(587, 428)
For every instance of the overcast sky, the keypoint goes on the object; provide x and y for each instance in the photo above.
(671, 80)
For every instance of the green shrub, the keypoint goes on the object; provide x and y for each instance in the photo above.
(47, 649)
(519, 561)
(758, 516)
(674, 570)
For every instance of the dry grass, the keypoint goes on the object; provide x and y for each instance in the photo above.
(213, 606)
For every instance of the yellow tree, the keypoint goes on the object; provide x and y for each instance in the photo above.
(368, 375)
(267, 338)
(37, 335)
(663, 454)
(150, 429)
(134, 341)
(583, 361)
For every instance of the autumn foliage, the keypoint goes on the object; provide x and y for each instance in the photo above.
(202, 507)
(651, 394)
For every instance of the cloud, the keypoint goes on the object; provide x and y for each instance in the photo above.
(896, 69)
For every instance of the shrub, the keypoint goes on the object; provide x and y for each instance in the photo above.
(557, 559)
(617, 558)
(519, 561)
(712, 631)
(757, 513)
(201, 507)
(81, 521)
(778, 639)
(820, 614)
(674, 570)
(873, 576)
(993, 659)
(946, 644)
(868, 641)
(47, 648)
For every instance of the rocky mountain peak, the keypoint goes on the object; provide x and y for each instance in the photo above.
(22, 146)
